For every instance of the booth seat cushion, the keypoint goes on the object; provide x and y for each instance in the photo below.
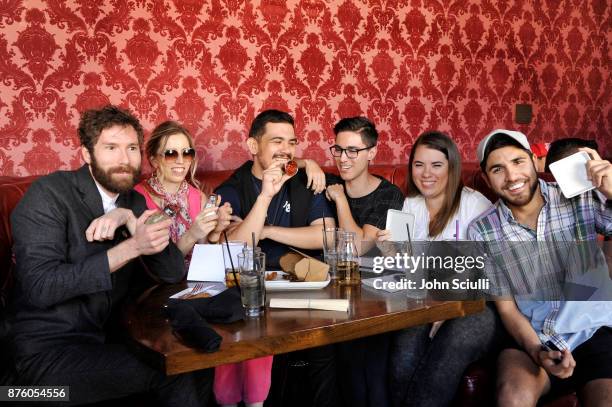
(477, 385)
(10, 194)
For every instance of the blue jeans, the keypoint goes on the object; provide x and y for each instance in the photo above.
(426, 372)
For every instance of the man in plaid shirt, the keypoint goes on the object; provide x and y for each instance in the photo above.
(531, 210)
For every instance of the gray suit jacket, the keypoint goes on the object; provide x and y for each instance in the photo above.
(64, 289)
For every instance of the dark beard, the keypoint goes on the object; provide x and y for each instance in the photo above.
(533, 187)
(105, 179)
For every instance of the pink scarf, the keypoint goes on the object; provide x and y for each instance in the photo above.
(178, 202)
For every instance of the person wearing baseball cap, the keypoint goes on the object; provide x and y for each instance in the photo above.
(540, 150)
(501, 138)
(558, 344)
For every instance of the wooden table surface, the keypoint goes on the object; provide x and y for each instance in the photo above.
(282, 330)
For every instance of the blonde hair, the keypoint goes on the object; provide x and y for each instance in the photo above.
(159, 138)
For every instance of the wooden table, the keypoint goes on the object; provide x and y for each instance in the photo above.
(283, 330)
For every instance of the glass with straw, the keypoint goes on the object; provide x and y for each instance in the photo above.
(252, 265)
(416, 275)
(331, 240)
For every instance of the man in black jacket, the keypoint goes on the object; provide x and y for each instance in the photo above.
(279, 209)
(78, 235)
(282, 212)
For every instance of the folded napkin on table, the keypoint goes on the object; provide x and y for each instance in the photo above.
(328, 305)
(190, 318)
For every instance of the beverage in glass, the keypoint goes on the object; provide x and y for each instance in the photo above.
(252, 282)
(331, 240)
(347, 266)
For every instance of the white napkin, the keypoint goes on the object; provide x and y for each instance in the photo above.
(307, 303)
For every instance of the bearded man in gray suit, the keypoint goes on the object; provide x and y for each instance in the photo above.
(78, 235)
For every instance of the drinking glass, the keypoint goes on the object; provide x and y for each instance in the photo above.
(252, 282)
(347, 266)
(331, 239)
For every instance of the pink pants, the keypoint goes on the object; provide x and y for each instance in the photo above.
(248, 381)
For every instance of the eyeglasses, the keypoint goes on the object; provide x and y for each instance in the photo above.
(188, 154)
(351, 152)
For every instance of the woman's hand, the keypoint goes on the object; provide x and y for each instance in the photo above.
(204, 223)
(383, 235)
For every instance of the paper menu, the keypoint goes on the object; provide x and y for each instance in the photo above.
(209, 261)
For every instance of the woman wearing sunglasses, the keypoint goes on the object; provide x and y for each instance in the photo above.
(171, 152)
(172, 184)
(421, 359)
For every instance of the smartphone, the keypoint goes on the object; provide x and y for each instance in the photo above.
(396, 223)
(549, 346)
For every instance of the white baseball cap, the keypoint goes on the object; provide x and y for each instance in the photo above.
(515, 135)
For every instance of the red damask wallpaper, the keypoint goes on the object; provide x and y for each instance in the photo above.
(411, 65)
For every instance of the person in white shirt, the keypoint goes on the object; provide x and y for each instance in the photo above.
(423, 357)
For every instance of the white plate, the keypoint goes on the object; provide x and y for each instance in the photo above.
(280, 284)
(570, 173)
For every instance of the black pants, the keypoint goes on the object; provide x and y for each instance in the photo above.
(305, 378)
(322, 374)
(363, 371)
(100, 372)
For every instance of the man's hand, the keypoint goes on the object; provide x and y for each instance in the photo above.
(316, 176)
(273, 179)
(549, 360)
(335, 192)
(599, 172)
(104, 227)
(151, 239)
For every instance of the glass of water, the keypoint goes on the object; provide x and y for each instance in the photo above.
(331, 240)
(252, 282)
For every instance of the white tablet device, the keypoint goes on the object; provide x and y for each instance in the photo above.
(396, 223)
(570, 173)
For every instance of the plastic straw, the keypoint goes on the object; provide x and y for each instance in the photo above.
(457, 229)
(253, 237)
(409, 238)
(229, 254)
(324, 234)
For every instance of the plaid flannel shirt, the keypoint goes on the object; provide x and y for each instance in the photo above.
(531, 269)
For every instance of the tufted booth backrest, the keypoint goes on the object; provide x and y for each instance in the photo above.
(13, 188)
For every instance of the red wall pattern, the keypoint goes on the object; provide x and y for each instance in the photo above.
(412, 65)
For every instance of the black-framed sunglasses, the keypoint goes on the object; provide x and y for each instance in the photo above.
(351, 152)
(187, 154)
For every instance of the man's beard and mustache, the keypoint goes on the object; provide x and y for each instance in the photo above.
(281, 156)
(521, 201)
(105, 178)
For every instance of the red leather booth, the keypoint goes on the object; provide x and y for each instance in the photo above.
(478, 383)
